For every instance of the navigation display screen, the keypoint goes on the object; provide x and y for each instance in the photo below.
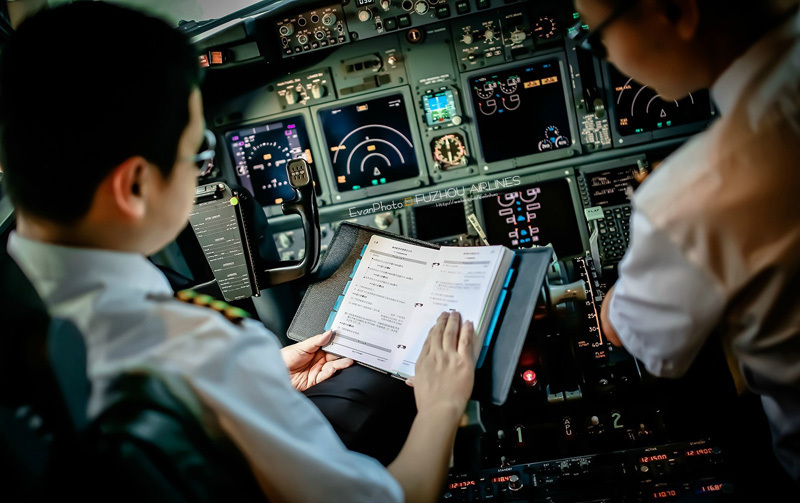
(435, 221)
(610, 187)
(640, 109)
(369, 143)
(521, 111)
(536, 214)
(260, 154)
(439, 107)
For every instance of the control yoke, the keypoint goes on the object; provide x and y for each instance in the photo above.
(305, 205)
(224, 220)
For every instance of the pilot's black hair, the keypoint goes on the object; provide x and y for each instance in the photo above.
(83, 87)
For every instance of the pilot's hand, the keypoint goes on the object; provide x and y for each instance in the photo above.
(445, 370)
(640, 174)
(308, 364)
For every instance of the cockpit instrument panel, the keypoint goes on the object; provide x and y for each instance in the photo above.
(640, 112)
(610, 187)
(440, 108)
(449, 151)
(260, 153)
(534, 215)
(521, 111)
(312, 30)
(461, 123)
(369, 143)
(436, 221)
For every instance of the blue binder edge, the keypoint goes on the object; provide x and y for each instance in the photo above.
(332, 316)
(501, 301)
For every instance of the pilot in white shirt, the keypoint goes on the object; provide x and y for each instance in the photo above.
(715, 240)
(114, 183)
(125, 309)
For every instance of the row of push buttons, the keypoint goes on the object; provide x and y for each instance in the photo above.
(392, 23)
(315, 45)
(614, 230)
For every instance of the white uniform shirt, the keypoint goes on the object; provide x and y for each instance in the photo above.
(715, 239)
(120, 302)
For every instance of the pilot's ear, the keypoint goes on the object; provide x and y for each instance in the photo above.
(128, 182)
(684, 16)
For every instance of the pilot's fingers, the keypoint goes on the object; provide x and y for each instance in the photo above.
(450, 335)
(331, 367)
(434, 339)
(639, 176)
(329, 357)
(466, 340)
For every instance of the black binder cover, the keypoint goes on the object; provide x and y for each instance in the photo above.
(494, 379)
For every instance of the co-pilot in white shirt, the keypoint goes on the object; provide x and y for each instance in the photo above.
(120, 303)
(715, 240)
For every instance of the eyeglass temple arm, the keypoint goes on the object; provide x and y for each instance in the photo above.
(305, 205)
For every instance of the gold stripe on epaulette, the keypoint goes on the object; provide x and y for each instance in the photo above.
(231, 313)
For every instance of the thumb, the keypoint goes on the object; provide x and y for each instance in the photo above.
(312, 344)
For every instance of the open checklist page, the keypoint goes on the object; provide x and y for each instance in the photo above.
(399, 289)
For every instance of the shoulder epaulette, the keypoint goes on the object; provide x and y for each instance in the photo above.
(232, 313)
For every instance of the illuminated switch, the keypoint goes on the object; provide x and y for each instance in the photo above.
(216, 58)
(204, 61)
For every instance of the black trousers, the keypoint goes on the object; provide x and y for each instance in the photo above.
(370, 411)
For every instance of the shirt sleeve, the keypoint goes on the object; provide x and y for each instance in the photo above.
(663, 307)
(293, 450)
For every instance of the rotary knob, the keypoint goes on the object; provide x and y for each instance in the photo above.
(318, 91)
(286, 29)
(292, 96)
(518, 36)
(364, 15)
(421, 7)
(514, 483)
(488, 35)
(466, 39)
(329, 19)
(302, 39)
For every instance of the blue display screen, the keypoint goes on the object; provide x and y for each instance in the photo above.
(439, 108)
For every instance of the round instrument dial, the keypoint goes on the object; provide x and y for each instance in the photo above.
(545, 27)
(510, 85)
(449, 151)
(485, 90)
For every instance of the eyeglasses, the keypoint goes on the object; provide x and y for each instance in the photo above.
(591, 40)
(205, 156)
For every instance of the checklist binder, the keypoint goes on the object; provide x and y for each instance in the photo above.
(509, 324)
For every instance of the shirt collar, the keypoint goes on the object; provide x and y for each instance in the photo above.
(59, 270)
(728, 88)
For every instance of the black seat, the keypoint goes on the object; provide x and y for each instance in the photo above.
(43, 389)
(147, 445)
